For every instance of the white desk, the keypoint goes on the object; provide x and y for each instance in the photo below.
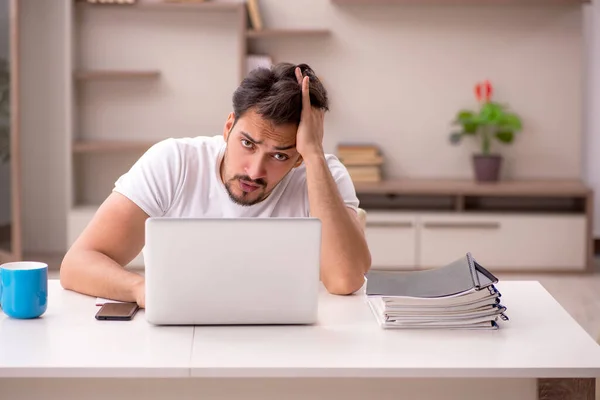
(347, 348)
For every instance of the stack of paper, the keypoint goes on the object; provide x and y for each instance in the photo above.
(362, 160)
(460, 295)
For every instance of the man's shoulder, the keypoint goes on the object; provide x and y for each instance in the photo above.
(196, 142)
(185, 147)
(332, 160)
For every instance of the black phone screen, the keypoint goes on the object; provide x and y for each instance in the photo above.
(117, 311)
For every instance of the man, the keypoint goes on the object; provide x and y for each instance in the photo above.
(269, 162)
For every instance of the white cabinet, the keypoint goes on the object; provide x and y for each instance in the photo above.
(515, 242)
(391, 237)
(503, 242)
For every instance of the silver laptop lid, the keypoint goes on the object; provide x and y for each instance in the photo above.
(232, 270)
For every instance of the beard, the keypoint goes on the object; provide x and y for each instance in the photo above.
(246, 198)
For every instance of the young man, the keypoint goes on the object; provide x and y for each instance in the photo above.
(269, 162)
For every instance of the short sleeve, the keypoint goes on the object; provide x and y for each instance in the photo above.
(343, 181)
(152, 182)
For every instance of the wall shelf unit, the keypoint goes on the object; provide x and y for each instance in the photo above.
(105, 146)
(509, 226)
(91, 75)
(559, 188)
(280, 33)
(162, 47)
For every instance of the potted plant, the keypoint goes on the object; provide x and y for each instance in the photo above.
(492, 122)
(4, 112)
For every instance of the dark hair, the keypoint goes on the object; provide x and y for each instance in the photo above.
(276, 95)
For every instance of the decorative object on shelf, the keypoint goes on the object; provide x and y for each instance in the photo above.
(362, 160)
(4, 111)
(254, 17)
(492, 122)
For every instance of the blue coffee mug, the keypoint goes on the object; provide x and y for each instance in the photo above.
(24, 289)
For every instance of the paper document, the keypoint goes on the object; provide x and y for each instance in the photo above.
(460, 295)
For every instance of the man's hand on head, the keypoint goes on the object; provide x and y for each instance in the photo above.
(309, 139)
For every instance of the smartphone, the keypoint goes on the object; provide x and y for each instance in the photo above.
(117, 311)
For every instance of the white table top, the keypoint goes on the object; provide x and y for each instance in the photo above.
(67, 341)
(540, 340)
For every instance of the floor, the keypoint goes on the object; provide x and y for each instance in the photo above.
(579, 294)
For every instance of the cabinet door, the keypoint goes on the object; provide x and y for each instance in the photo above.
(391, 237)
(508, 241)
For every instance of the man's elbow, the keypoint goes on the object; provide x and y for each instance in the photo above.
(345, 286)
(68, 272)
(348, 283)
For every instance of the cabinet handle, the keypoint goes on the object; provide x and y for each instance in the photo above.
(389, 224)
(462, 225)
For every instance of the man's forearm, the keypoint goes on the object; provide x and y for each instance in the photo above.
(95, 274)
(345, 254)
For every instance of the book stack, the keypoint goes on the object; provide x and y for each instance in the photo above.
(460, 295)
(363, 161)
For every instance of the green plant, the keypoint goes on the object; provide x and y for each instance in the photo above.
(4, 111)
(492, 121)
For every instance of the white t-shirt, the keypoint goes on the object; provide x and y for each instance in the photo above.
(180, 178)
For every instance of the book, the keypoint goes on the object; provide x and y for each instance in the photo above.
(254, 15)
(364, 173)
(460, 295)
(362, 160)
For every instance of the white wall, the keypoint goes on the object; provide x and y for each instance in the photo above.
(5, 193)
(592, 128)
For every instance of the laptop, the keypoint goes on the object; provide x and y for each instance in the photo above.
(232, 271)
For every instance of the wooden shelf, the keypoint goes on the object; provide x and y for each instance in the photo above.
(104, 146)
(458, 2)
(208, 5)
(554, 188)
(90, 75)
(275, 33)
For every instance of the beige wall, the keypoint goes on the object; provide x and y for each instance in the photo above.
(396, 76)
